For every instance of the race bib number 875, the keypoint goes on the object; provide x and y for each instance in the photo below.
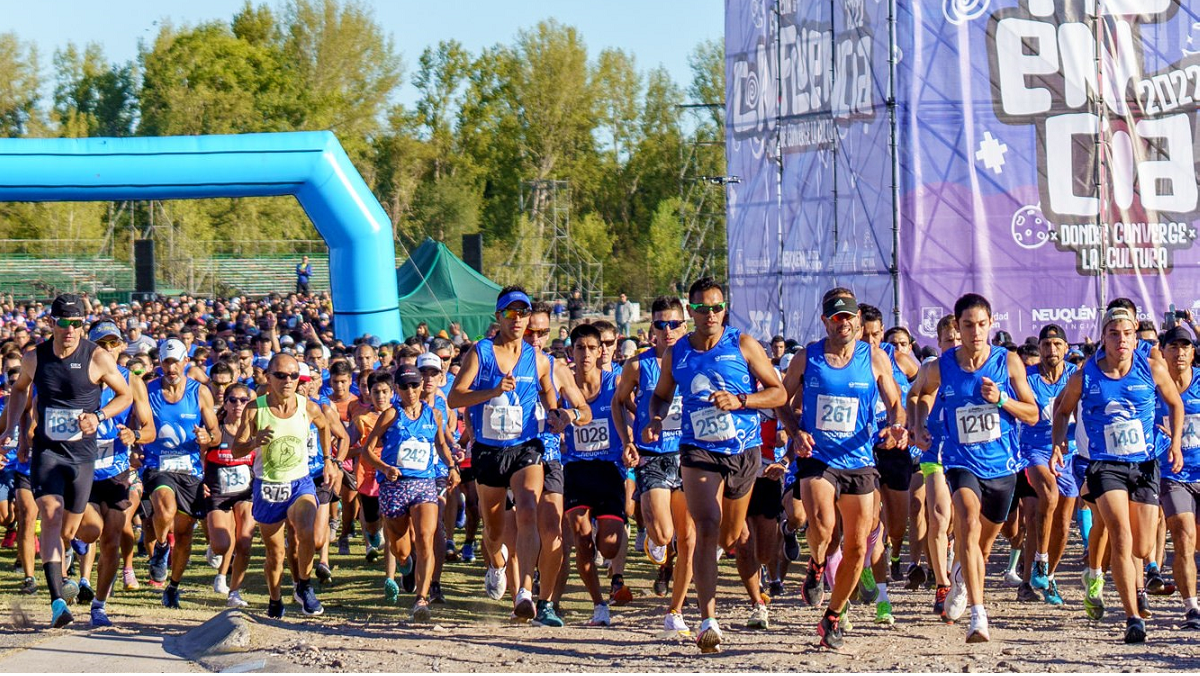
(275, 492)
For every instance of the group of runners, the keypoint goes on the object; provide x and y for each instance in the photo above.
(715, 447)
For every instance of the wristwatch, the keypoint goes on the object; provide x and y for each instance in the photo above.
(100, 416)
(1003, 398)
(742, 400)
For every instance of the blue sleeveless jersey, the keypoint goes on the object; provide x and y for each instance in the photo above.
(598, 439)
(980, 437)
(439, 405)
(508, 419)
(839, 407)
(175, 449)
(905, 386)
(936, 426)
(672, 425)
(1118, 415)
(408, 445)
(316, 454)
(701, 374)
(1190, 441)
(551, 442)
(10, 458)
(112, 456)
(1036, 443)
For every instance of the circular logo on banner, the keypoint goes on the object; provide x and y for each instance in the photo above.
(1030, 229)
(961, 11)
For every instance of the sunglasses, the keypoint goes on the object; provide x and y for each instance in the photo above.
(609, 343)
(514, 313)
(64, 323)
(237, 400)
(108, 344)
(667, 324)
(542, 333)
(409, 386)
(707, 309)
(284, 375)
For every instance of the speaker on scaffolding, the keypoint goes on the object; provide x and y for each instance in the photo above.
(473, 251)
(143, 268)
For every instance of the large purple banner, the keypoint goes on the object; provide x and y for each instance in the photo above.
(1044, 150)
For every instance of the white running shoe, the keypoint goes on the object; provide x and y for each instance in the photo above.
(214, 560)
(235, 600)
(656, 553)
(1012, 578)
(524, 606)
(977, 631)
(956, 600)
(709, 638)
(495, 582)
(759, 618)
(675, 623)
(600, 616)
(220, 586)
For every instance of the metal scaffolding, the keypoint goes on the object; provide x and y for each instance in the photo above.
(564, 266)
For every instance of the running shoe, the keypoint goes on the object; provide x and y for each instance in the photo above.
(275, 609)
(60, 615)
(220, 585)
(939, 600)
(546, 616)
(759, 618)
(408, 576)
(1093, 595)
(639, 541)
(977, 631)
(915, 576)
(10, 538)
(709, 638)
(70, 591)
(158, 563)
(373, 553)
(1040, 578)
(100, 617)
(324, 574)
(170, 596)
(830, 631)
(600, 616)
(1155, 584)
(1012, 578)
(1143, 604)
(868, 590)
(1191, 620)
(775, 588)
(674, 622)
(662, 583)
(883, 613)
(86, 594)
(436, 595)
(129, 579)
(468, 552)
(451, 551)
(79, 547)
(813, 589)
(460, 519)
(1050, 594)
(524, 607)
(956, 599)
(791, 543)
(307, 598)
(420, 611)
(656, 553)
(844, 619)
(494, 580)
(1025, 593)
(343, 545)
(235, 600)
(894, 570)
(620, 594)
(28, 586)
(214, 560)
(1135, 630)
(391, 590)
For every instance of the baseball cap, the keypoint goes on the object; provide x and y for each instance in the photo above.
(839, 305)
(1118, 314)
(104, 330)
(1052, 331)
(429, 360)
(67, 306)
(172, 348)
(1175, 334)
(286, 340)
(305, 373)
(512, 297)
(408, 375)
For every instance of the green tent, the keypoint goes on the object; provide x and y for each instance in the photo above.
(437, 287)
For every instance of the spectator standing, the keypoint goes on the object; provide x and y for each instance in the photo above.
(303, 274)
(575, 308)
(622, 315)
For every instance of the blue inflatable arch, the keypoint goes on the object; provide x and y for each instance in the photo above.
(310, 165)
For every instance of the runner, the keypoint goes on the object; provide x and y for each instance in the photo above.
(500, 381)
(14, 478)
(174, 470)
(1116, 388)
(68, 373)
(429, 366)
(835, 384)
(381, 395)
(276, 425)
(670, 533)
(410, 436)
(230, 524)
(901, 343)
(719, 452)
(327, 493)
(983, 392)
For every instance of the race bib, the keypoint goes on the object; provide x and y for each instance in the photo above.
(836, 414)
(414, 455)
(977, 424)
(674, 420)
(105, 449)
(62, 424)
(1125, 437)
(1191, 431)
(592, 437)
(175, 463)
(232, 480)
(502, 423)
(712, 424)
(275, 492)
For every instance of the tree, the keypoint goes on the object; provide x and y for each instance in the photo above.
(19, 85)
(92, 97)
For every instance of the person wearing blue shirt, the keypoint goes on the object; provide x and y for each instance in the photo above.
(719, 446)
(983, 392)
(304, 273)
(1116, 388)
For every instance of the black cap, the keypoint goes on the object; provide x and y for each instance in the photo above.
(838, 305)
(1174, 334)
(67, 306)
(408, 374)
(1052, 331)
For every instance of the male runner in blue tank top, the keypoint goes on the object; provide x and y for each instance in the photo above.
(499, 383)
(68, 372)
(715, 367)
(835, 384)
(1116, 389)
(984, 392)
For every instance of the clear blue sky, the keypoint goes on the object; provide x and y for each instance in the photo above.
(657, 33)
